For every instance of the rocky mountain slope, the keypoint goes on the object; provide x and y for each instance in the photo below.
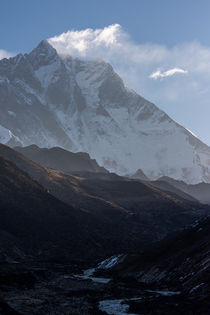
(174, 272)
(58, 158)
(112, 212)
(169, 188)
(200, 191)
(52, 100)
(29, 216)
(55, 224)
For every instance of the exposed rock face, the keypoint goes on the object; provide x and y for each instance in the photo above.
(51, 100)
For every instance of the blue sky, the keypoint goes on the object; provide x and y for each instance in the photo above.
(24, 23)
(155, 38)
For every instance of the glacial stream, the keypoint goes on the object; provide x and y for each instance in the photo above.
(115, 306)
(88, 275)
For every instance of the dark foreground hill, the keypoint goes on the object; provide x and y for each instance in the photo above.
(122, 213)
(32, 218)
(37, 223)
(177, 190)
(200, 191)
(58, 158)
(53, 224)
(174, 274)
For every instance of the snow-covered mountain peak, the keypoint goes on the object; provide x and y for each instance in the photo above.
(81, 105)
(44, 54)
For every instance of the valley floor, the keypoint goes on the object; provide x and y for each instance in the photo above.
(64, 289)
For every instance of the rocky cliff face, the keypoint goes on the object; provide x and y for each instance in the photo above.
(51, 100)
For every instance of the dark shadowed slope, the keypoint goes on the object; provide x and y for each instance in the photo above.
(38, 223)
(170, 188)
(128, 212)
(29, 212)
(100, 218)
(175, 274)
(58, 158)
(199, 191)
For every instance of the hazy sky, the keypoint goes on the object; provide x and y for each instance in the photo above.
(161, 48)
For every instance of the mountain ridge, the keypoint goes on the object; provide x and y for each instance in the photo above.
(58, 158)
(114, 204)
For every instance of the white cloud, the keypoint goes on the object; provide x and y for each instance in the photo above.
(85, 42)
(5, 54)
(133, 60)
(158, 74)
(135, 63)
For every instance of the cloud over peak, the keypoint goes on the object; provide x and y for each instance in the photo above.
(135, 63)
(85, 41)
(158, 74)
(5, 54)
